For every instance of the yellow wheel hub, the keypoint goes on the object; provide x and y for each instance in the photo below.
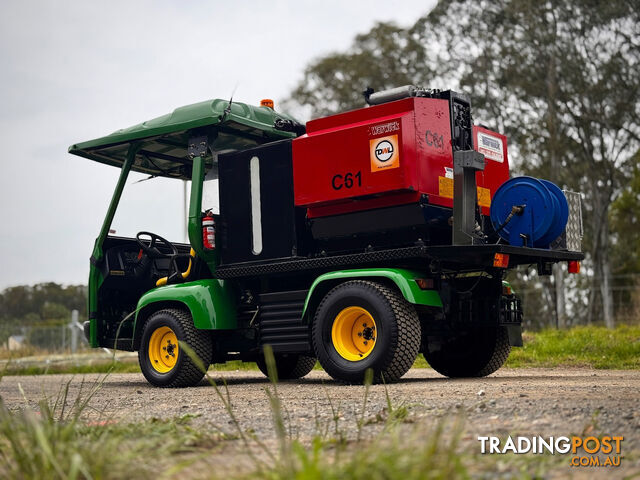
(163, 349)
(354, 333)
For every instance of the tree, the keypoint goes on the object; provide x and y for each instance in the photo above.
(387, 56)
(43, 301)
(55, 313)
(569, 69)
(558, 77)
(625, 225)
(625, 222)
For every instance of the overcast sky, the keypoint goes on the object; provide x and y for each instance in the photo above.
(76, 70)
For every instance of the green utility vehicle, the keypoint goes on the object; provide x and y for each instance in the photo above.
(351, 271)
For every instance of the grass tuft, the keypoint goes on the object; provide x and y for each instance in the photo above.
(595, 347)
(394, 454)
(56, 441)
(53, 441)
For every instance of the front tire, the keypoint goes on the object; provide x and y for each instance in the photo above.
(289, 367)
(361, 325)
(474, 354)
(162, 361)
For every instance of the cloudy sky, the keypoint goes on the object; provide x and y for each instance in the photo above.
(76, 70)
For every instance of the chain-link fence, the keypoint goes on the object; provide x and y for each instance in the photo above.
(581, 293)
(21, 340)
(538, 295)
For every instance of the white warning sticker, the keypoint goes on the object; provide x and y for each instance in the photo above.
(491, 147)
(448, 172)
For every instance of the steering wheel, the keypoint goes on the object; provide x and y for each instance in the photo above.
(149, 246)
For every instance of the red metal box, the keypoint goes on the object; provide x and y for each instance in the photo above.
(384, 155)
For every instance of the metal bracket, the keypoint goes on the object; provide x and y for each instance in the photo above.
(197, 146)
(465, 165)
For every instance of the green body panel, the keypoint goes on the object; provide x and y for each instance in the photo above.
(95, 280)
(164, 140)
(210, 302)
(403, 279)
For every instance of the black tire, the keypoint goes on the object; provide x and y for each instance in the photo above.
(185, 372)
(397, 340)
(289, 367)
(474, 354)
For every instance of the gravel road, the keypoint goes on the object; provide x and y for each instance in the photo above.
(512, 401)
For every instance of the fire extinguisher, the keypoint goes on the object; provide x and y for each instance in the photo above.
(208, 231)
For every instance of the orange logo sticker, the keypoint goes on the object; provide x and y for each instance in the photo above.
(484, 197)
(445, 187)
(384, 153)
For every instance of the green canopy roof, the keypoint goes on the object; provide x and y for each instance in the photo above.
(163, 141)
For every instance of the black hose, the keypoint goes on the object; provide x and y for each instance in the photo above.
(515, 210)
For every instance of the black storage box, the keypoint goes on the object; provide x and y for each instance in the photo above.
(259, 220)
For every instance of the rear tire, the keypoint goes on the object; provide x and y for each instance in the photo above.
(359, 310)
(289, 367)
(162, 361)
(475, 354)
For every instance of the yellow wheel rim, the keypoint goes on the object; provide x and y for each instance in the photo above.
(354, 333)
(163, 349)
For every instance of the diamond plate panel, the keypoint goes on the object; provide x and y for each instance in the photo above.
(574, 230)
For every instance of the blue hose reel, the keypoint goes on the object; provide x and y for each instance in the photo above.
(529, 212)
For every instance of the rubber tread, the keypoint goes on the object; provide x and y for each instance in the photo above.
(493, 353)
(501, 351)
(405, 337)
(289, 367)
(189, 374)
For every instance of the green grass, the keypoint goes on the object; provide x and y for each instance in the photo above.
(104, 367)
(403, 454)
(392, 453)
(37, 445)
(594, 347)
(591, 347)
(53, 441)
(57, 441)
(44, 444)
(127, 366)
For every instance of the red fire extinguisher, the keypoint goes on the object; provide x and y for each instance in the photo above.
(208, 231)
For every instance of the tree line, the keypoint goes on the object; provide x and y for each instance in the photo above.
(42, 304)
(559, 78)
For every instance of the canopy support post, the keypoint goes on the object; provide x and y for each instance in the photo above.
(95, 275)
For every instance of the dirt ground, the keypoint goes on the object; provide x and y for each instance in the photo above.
(510, 402)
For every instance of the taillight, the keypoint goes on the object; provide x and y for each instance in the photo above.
(501, 260)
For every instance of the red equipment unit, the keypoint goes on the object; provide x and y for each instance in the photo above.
(386, 155)
(496, 164)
